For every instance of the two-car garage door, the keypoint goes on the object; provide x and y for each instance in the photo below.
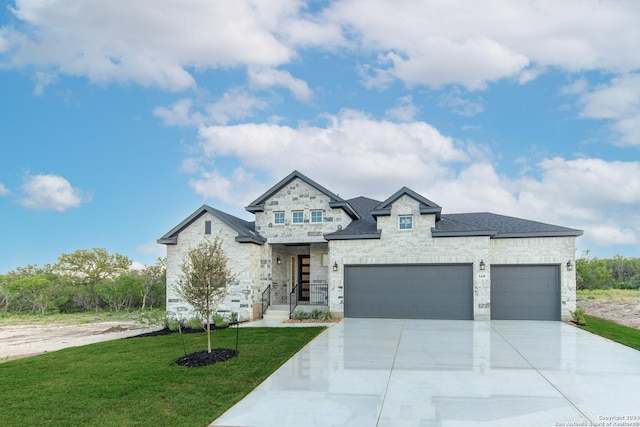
(409, 291)
(518, 292)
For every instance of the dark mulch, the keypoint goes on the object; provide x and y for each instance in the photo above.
(203, 358)
(167, 331)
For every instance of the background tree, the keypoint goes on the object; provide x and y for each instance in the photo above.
(205, 280)
(90, 267)
(120, 293)
(153, 278)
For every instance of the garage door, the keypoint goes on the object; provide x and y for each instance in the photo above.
(409, 291)
(525, 292)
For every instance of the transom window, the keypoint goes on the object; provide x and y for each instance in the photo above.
(278, 217)
(316, 216)
(405, 222)
(297, 217)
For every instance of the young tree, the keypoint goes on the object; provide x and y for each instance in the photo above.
(205, 280)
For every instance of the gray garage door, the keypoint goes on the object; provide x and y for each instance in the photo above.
(525, 292)
(409, 291)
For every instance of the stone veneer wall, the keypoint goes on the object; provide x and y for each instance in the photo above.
(415, 246)
(299, 196)
(419, 247)
(244, 261)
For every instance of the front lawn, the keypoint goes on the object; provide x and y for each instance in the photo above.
(134, 382)
(613, 331)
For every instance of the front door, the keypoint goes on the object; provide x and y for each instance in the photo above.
(304, 276)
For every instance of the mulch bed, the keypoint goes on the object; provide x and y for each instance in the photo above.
(167, 331)
(203, 358)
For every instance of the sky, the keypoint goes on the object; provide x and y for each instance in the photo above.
(118, 119)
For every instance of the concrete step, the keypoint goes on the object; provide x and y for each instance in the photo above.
(277, 313)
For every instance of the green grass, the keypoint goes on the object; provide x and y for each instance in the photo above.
(135, 382)
(613, 331)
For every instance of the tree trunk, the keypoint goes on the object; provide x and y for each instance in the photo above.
(208, 336)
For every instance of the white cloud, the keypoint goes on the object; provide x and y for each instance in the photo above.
(42, 79)
(267, 77)
(460, 105)
(51, 193)
(404, 111)
(4, 190)
(353, 151)
(151, 43)
(164, 43)
(353, 147)
(619, 103)
(474, 43)
(236, 104)
(213, 184)
(179, 114)
(151, 248)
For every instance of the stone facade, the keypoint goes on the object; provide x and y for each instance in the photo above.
(244, 262)
(273, 263)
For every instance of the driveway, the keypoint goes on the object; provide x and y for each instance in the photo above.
(424, 373)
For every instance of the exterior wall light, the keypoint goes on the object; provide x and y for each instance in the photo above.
(482, 266)
(569, 266)
(278, 261)
(335, 266)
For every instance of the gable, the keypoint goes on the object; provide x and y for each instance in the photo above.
(426, 205)
(335, 201)
(246, 230)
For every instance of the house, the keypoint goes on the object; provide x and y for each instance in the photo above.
(397, 258)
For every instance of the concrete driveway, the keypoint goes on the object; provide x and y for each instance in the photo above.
(423, 373)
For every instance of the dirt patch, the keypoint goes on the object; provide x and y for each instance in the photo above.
(27, 340)
(622, 312)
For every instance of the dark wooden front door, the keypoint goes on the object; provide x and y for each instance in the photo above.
(304, 277)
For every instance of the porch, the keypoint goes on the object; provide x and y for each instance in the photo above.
(299, 275)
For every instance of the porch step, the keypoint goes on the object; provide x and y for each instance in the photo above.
(277, 313)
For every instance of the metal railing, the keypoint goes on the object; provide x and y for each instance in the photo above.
(318, 295)
(266, 299)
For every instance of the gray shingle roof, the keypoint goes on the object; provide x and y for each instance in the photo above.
(497, 226)
(246, 230)
(363, 228)
(453, 225)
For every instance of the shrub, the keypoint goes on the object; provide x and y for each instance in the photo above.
(300, 315)
(326, 316)
(578, 316)
(194, 323)
(219, 322)
(316, 314)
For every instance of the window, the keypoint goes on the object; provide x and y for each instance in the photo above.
(278, 218)
(298, 217)
(207, 227)
(316, 216)
(405, 222)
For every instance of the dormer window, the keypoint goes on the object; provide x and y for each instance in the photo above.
(405, 222)
(278, 218)
(297, 217)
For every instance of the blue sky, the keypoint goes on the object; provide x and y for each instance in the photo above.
(118, 119)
